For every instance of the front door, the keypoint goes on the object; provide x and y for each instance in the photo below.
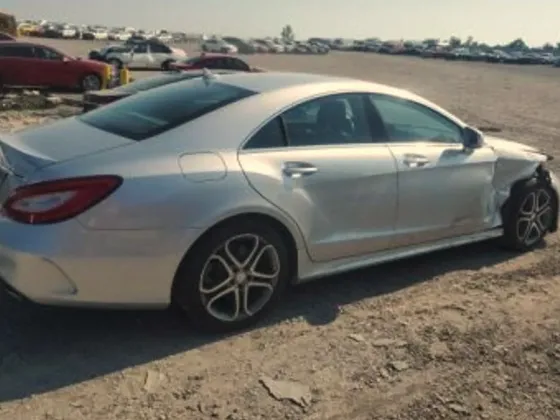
(160, 54)
(317, 163)
(444, 190)
(52, 69)
(141, 57)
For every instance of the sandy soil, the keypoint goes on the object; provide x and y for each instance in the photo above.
(468, 333)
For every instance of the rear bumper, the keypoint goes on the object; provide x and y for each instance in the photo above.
(67, 265)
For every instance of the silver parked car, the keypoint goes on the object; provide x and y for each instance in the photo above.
(216, 193)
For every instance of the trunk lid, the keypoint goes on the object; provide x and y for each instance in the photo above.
(28, 150)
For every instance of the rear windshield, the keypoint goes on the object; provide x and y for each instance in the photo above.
(158, 110)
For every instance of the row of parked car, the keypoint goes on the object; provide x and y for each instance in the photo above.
(230, 44)
(495, 55)
(25, 64)
(152, 54)
(46, 29)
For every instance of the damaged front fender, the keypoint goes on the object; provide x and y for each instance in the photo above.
(517, 162)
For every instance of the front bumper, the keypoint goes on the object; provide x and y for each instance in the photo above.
(67, 265)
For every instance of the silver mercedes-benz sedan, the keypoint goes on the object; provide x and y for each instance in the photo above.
(216, 193)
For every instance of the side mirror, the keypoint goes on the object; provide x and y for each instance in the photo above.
(66, 59)
(472, 138)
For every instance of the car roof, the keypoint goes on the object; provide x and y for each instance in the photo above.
(270, 81)
(22, 43)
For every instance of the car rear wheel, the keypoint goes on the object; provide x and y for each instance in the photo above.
(529, 215)
(233, 277)
(91, 82)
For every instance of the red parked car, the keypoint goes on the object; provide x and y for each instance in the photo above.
(214, 62)
(25, 64)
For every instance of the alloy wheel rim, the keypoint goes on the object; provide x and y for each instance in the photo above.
(239, 278)
(535, 217)
(91, 83)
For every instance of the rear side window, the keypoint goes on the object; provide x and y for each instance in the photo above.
(271, 135)
(192, 61)
(158, 110)
(19, 51)
(237, 64)
(157, 48)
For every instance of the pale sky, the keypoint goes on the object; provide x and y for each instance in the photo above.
(493, 21)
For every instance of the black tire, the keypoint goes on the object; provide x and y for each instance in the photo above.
(165, 66)
(518, 216)
(115, 62)
(88, 79)
(186, 293)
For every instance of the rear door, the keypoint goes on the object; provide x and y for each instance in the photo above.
(16, 65)
(160, 54)
(317, 163)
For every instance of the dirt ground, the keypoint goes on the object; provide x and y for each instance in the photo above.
(466, 333)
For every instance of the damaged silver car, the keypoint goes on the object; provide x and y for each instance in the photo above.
(215, 193)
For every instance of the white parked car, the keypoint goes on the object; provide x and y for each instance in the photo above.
(119, 36)
(276, 47)
(100, 34)
(218, 46)
(164, 36)
(218, 193)
(146, 55)
(68, 31)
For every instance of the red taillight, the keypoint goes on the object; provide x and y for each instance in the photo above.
(58, 200)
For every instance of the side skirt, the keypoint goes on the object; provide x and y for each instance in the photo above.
(309, 270)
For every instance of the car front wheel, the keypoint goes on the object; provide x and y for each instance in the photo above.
(91, 82)
(529, 215)
(233, 277)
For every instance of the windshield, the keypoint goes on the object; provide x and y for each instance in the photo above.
(161, 109)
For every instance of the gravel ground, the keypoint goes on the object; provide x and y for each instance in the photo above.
(467, 333)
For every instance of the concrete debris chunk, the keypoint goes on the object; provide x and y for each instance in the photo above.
(287, 390)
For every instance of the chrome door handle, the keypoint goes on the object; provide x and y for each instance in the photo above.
(415, 161)
(298, 169)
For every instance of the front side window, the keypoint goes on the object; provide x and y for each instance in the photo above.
(158, 110)
(47, 54)
(158, 48)
(407, 121)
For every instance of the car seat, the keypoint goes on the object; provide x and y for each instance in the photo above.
(334, 123)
